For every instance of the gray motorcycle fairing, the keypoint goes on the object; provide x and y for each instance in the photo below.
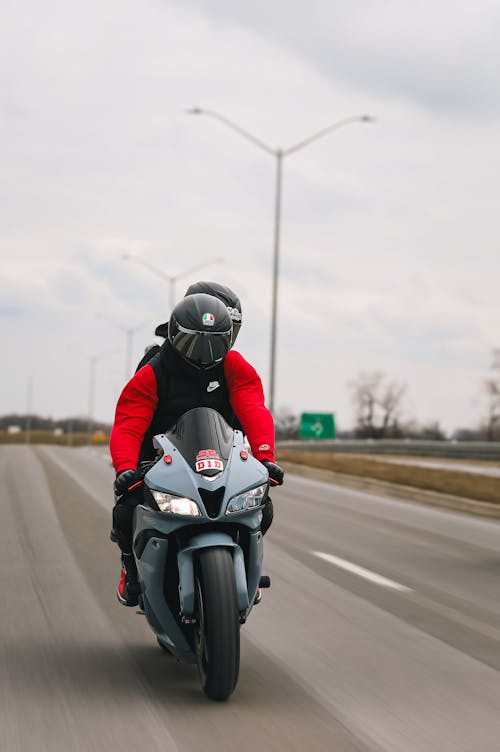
(241, 472)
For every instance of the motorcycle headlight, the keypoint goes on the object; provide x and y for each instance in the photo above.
(176, 504)
(247, 500)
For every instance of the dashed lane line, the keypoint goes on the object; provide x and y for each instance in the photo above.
(348, 566)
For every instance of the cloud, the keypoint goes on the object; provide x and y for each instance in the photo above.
(11, 311)
(444, 56)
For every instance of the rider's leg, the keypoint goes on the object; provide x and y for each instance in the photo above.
(122, 532)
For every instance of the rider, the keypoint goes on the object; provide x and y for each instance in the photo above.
(194, 367)
(224, 293)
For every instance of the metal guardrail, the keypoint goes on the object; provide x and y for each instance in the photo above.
(472, 450)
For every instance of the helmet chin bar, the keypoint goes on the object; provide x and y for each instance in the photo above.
(201, 367)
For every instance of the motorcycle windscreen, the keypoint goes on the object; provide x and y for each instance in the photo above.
(204, 439)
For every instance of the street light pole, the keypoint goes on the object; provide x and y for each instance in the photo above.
(276, 253)
(93, 360)
(90, 422)
(129, 333)
(279, 155)
(29, 408)
(170, 278)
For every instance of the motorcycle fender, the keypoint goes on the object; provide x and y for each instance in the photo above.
(185, 563)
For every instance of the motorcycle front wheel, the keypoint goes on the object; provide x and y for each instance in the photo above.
(217, 631)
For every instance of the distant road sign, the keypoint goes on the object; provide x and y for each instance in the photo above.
(317, 426)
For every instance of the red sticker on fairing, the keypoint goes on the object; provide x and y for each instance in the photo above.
(204, 454)
(208, 459)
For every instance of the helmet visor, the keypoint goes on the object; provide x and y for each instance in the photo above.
(203, 349)
(236, 329)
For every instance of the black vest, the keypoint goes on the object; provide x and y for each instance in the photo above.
(180, 387)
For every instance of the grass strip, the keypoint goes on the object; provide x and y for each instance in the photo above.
(454, 482)
(49, 437)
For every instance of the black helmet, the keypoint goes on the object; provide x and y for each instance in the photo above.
(222, 292)
(200, 330)
(228, 297)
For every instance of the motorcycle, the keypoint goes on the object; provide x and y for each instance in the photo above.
(198, 544)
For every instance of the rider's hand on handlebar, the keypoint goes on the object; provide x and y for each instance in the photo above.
(123, 481)
(276, 473)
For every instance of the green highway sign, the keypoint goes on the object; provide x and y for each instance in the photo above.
(317, 426)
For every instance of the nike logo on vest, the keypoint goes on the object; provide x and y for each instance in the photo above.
(213, 385)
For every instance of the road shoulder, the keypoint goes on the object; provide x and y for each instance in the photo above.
(397, 491)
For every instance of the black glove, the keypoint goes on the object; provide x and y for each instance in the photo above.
(123, 481)
(276, 473)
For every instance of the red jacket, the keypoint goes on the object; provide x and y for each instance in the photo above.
(139, 399)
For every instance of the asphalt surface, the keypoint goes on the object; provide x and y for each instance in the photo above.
(381, 630)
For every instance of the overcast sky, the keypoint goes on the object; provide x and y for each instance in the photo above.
(390, 231)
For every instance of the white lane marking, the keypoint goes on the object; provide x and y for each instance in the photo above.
(362, 572)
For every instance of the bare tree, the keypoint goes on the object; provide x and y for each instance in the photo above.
(364, 390)
(433, 431)
(377, 403)
(390, 402)
(491, 386)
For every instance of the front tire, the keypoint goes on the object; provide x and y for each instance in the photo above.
(218, 625)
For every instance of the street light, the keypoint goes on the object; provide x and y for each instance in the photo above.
(279, 155)
(129, 333)
(29, 408)
(171, 278)
(93, 360)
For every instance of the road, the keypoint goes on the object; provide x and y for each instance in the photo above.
(475, 467)
(381, 631)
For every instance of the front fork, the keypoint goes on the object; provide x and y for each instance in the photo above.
(246, 587)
